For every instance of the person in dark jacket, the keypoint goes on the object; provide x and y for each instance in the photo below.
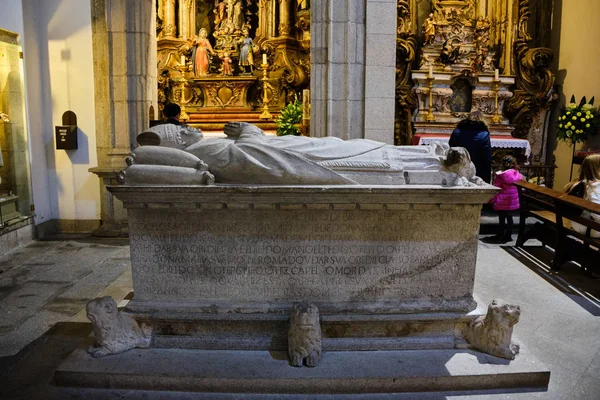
(473, 134)
(172, 113)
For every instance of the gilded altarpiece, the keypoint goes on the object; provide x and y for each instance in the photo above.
(212, 55)
(458, 56)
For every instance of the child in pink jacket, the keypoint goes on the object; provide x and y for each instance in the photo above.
(507, 201)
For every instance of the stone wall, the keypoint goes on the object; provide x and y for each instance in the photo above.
(338, 68)
(380, 73)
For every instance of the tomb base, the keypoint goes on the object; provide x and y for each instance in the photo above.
(337, 373)
(189, 329)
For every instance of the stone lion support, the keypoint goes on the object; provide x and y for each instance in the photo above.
(304, 336)
(115, 331)
(492, 333)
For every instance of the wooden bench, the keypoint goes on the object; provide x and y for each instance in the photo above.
(556, 211)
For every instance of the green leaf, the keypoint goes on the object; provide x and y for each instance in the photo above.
(290, 116)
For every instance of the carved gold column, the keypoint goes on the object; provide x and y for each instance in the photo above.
(534, 81)
(160, 10)
(184, 15)
(191, 12)
(284, 18)
(266, 16)
(272, 18)
(262, 17)
(504, 16)
(169, 27)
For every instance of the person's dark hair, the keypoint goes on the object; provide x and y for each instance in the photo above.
(171, 110)
(509, 162)
(474, 122)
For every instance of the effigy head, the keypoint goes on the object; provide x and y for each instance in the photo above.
(170, 135)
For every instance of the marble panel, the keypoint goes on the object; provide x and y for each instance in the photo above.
(345, 251)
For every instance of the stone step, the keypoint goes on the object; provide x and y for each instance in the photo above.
(213, 342)
(269, 372)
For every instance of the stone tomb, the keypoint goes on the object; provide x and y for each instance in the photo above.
(217, 269)
(388, 267)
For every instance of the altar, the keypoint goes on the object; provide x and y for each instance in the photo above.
(458, 75)
(497, 141)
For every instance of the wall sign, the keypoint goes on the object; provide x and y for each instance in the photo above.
(66, 137)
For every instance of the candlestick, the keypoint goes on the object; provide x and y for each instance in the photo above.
(265, 115)
(495, 88)
(305, 105)
(430, 117)
(182, 60)
(430, 71)
(496, 74)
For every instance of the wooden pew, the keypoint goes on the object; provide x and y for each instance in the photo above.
(555, 211)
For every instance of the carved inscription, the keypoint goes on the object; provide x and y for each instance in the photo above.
(295, 255)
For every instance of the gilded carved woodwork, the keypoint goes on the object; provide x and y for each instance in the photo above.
(278, 28)
(534, 81)
(406, 51)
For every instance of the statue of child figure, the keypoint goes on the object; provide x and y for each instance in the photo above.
(226, 62)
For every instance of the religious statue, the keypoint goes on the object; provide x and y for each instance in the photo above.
(200, 54)
(246, 48)
(429, 29)
(238, 16)
(247, 155)
(220, 16)
(226, 62)
(449, 53)
(482, 30)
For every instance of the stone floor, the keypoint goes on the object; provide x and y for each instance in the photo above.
(44, 288)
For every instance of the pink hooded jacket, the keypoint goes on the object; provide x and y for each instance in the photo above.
(508, 199)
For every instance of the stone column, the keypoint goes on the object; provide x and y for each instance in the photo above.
(284, 18)
(169, 27)
(338, 68)
(124, 50)
(380, 71)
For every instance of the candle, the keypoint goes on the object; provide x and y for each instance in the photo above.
(430, 70)
(305, 104)
(182, 60)
(264, 58)
(496, 74)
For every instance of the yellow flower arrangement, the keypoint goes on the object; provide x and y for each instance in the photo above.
(578, 121)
